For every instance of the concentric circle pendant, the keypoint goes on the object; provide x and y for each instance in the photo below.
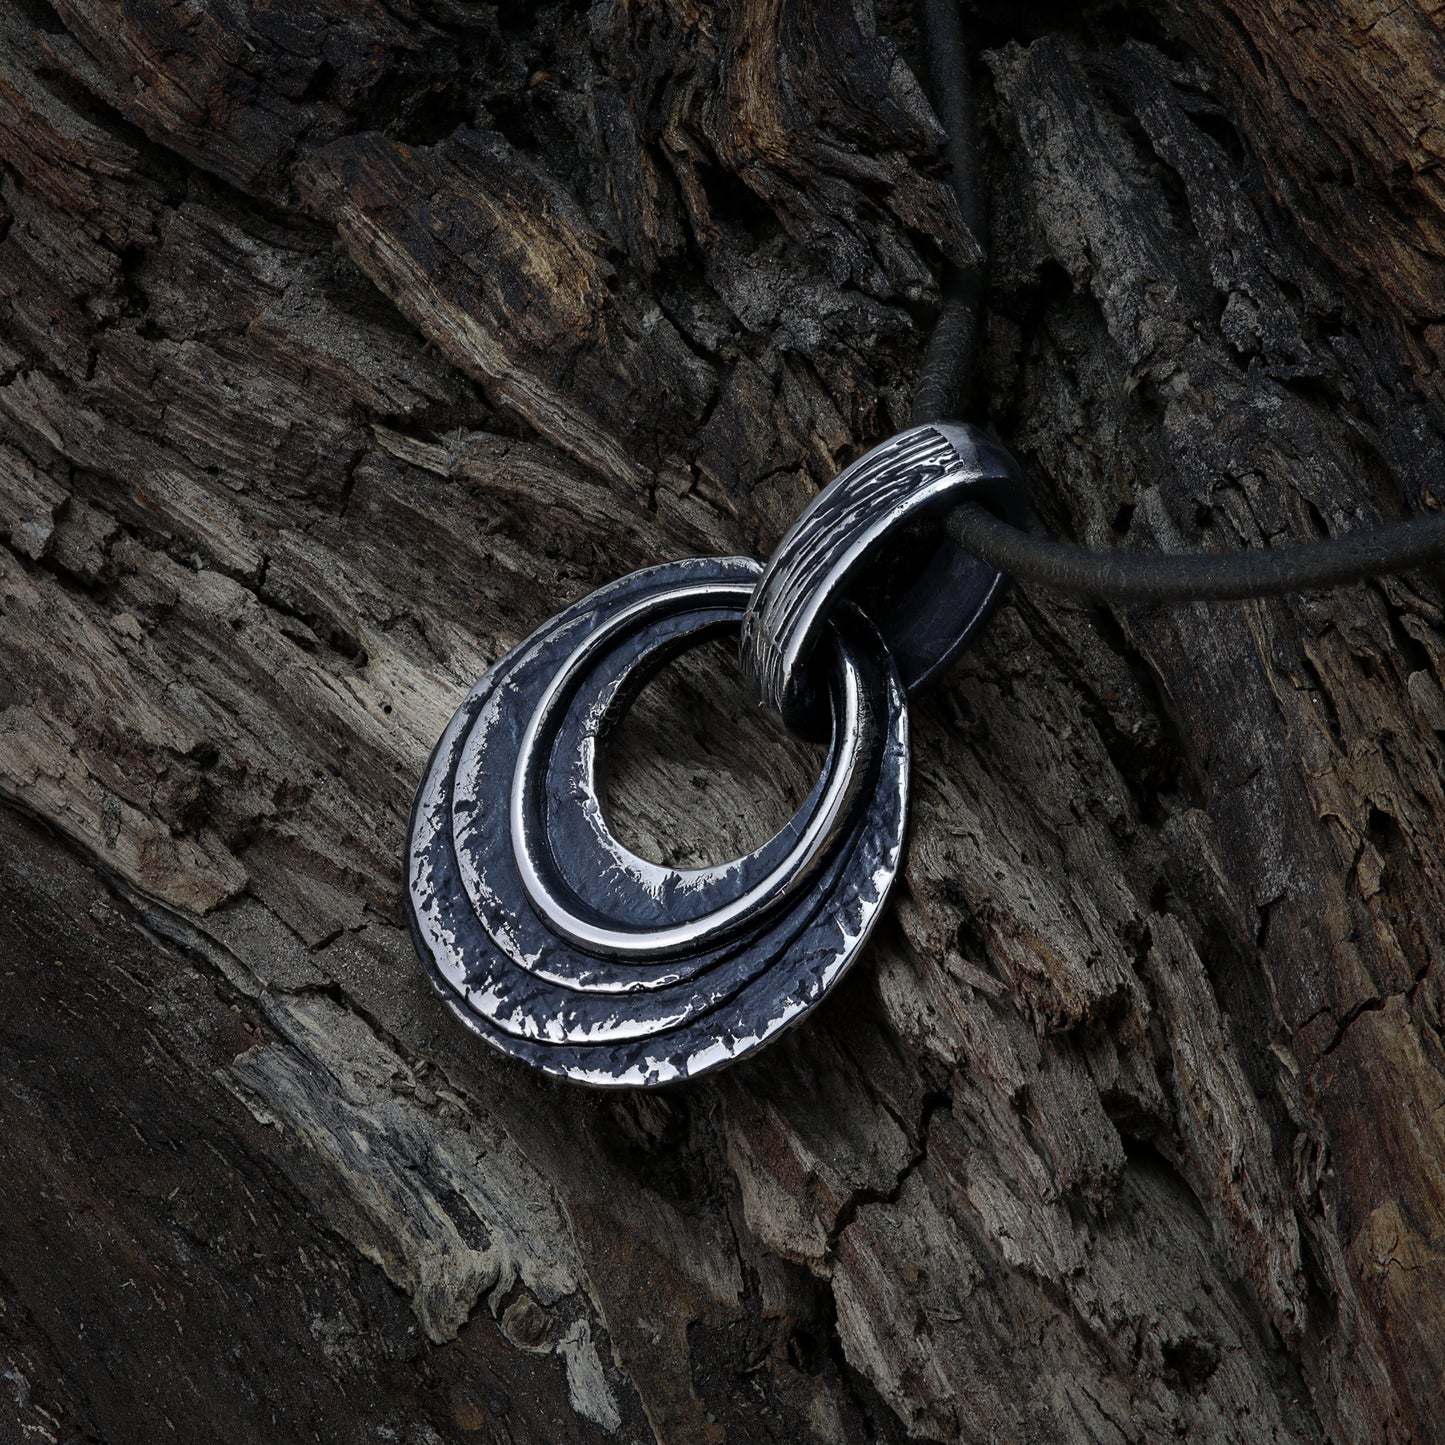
(559, 946)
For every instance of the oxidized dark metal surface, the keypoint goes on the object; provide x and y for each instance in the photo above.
(556, 944)
(917, 475)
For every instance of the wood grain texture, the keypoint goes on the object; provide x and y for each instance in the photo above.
(340, 345)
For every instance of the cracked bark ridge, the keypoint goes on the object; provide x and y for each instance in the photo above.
(341, 344)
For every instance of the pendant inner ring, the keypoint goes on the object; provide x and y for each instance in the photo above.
(555, 788)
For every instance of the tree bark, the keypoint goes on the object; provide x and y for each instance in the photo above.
(344, 341)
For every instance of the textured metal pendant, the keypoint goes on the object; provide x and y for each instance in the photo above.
(554, 942)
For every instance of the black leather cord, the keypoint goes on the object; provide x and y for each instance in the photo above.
(943, 386)
(1197, 576)
(942, 391)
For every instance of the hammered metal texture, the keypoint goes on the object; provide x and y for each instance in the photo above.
(556, 944)
(913, 477)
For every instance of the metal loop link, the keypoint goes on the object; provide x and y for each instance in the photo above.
(847, 531)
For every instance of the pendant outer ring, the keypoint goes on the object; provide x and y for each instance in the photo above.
(635, 1022)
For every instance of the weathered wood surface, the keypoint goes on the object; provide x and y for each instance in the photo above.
(341, 342)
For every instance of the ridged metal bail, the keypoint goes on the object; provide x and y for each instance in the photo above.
(846, 532)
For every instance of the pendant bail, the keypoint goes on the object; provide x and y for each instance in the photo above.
(851, 528)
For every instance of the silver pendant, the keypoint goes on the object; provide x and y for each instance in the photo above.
(555, 943)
